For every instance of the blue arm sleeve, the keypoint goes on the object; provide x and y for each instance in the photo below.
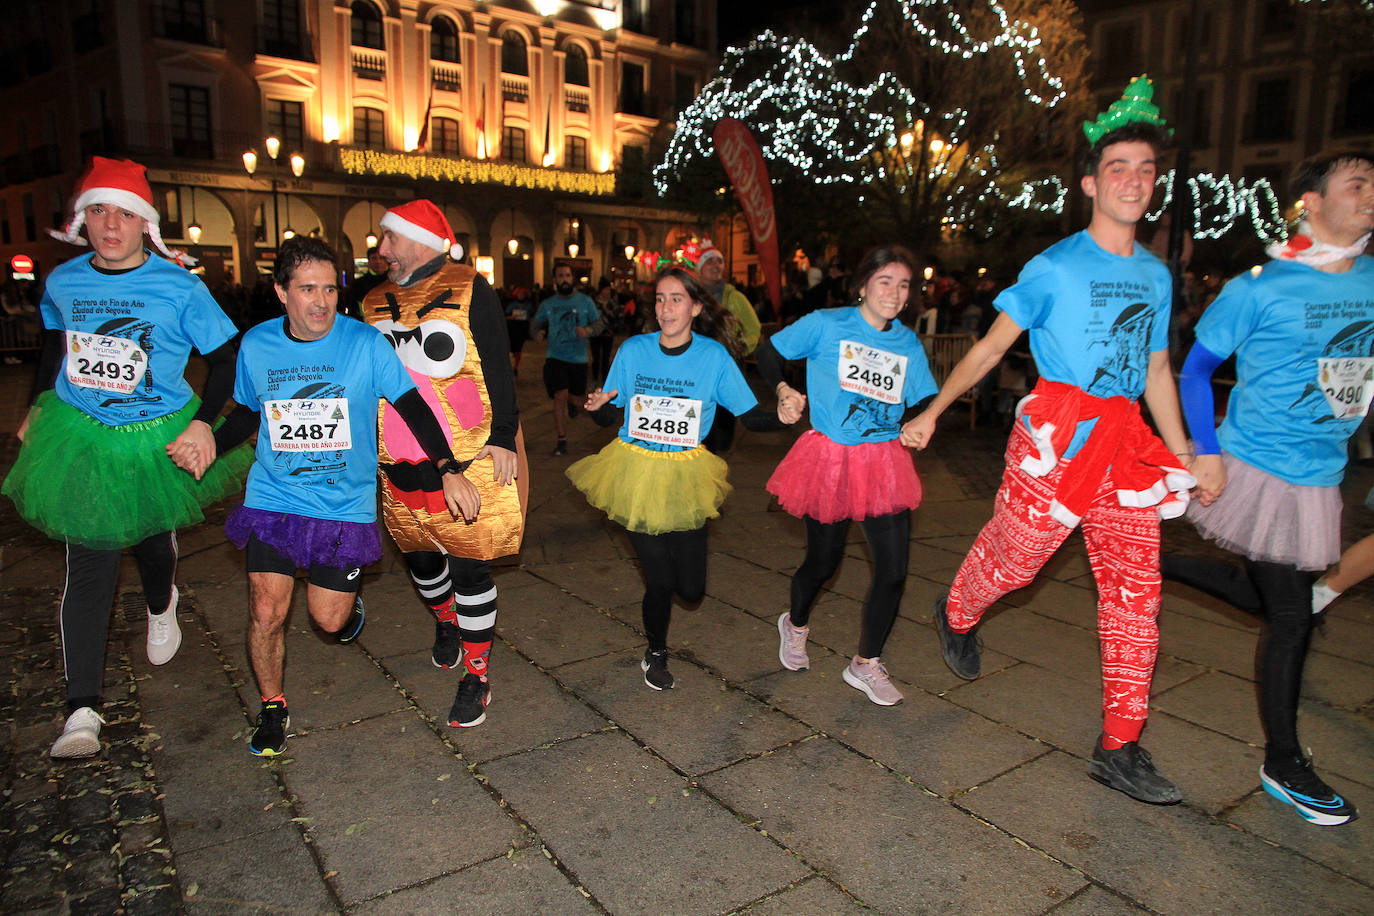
(1195, 393)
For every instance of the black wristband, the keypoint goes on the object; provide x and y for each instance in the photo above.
(451, 466)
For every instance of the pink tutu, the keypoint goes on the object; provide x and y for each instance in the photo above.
(821, 479)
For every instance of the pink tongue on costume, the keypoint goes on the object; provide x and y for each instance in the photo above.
(463, 397)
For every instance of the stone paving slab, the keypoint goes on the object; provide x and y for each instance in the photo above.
(382, 830)
(1172, 859)
(697, 726)
(553, 628)
(918, 853)
(517, 884)
(527, 708)
(814, 895)
(1348, 849)
(939, 745)
(231, 879)
(610, 812)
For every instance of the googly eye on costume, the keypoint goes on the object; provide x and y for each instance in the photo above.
(435, 348)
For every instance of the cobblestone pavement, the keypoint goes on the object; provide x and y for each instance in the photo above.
(745, 789)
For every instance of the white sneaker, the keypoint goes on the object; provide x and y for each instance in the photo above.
(164, 633)
(81, 735)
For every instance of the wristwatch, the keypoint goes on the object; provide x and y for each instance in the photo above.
(451, 466)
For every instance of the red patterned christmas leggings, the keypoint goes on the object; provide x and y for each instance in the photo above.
(1123, 547)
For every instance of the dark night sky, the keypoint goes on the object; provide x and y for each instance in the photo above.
(740, 20)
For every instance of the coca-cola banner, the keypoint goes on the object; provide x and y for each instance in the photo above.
(739, 153)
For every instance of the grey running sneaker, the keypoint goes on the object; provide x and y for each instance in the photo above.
(655, 668)
(164, 633)
(871, 677)
(80, 736)
(792, 644)
(963, 651)
(1129, 769)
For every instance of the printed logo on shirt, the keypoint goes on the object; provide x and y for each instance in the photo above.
(1122, 354)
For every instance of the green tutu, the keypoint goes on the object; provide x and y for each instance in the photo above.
(109, 487)
(652, 492)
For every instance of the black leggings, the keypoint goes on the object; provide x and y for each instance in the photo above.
(888, 541)
(86, 604)
(1282, 593)
(672, 563)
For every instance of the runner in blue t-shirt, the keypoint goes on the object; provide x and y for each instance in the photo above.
(864, 369)
(1097, 307)
(656, 478)
(567, 320)
(308, 385)
(1302, 331)
(112, 406)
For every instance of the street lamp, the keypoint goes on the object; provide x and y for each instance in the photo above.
(193, 230)
(297, 162)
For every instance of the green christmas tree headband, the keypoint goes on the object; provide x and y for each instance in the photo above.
(1134, 105)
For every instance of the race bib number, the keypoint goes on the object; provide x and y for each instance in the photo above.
(872, 373)
(519, 314)
(671, 421)
(1348, 383)
(309, 425)
(105, 363)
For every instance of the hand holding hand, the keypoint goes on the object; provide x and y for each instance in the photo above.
(598, 399)
(1211, 477)
(918, 431)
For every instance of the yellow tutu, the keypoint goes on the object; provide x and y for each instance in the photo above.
(653, 492)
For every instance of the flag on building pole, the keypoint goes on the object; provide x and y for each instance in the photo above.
(482, 125)
(424, 128)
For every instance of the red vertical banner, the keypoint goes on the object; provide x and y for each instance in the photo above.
(743, 161)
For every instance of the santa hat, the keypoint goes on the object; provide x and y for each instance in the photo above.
(120, 183)
(709, 250)
(422, 222)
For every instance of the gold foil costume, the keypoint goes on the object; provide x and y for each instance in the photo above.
(428, 323)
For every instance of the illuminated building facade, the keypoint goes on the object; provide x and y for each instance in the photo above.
(528, 121)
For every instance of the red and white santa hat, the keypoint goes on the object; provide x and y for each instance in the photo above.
(421, 221)
(120, 183)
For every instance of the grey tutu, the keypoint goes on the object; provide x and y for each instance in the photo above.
(1267, 519)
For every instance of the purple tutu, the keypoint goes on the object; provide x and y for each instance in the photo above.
(307, 541)
(827, 481)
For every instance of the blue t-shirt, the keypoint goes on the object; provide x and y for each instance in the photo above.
(859, 380)
(1094, 317)
(564, 315)
(670, 400)
(314, 395)
(1304, 346)
(129, 335)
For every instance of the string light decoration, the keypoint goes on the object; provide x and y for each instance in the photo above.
(473, 171)
(826, 118)
(1222, 202)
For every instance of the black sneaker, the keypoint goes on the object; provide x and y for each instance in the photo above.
(448, 645)
(356, 618)
(470, 705)
(269, 736)
(655, 668)
(963, 651)
(1300, 787)
(560, 449)
(1129, 769)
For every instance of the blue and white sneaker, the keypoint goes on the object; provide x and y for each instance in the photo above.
(354, 625)
(1317, 802)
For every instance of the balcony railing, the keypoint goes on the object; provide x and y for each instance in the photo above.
(515, 88)
(447, 77)
(369, 65)
(579, 100)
